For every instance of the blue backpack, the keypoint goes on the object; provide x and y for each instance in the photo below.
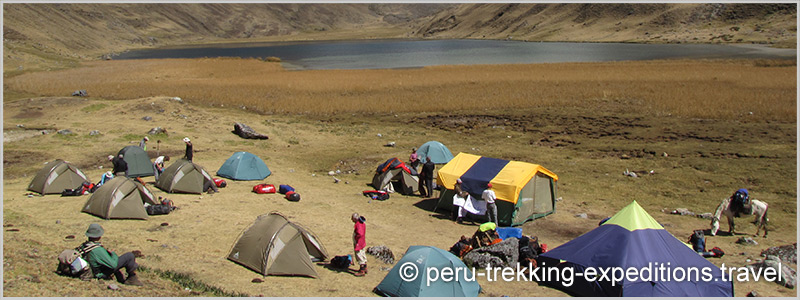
(284, 188)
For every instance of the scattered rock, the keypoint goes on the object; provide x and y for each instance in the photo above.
(385, 269)
(147, 118)
(113, 287)
(70, 237)
(257, 280)
(20, 126)
(743, 254)
(35, 279)
(80, 93)
(165, 224)
(380, 135)
(787, 253)
(58, 221)
(152, 240)
(630, 173)
(336, 180)
(94, 132)
(246, 132)
(331, 173)
(176, 99)
(787, 274)
(665, 154)
(65, 132)
(505, 254)
(752, 294)
(390, 144)
(559, 199)
(382, 252)
(708, 216)
(746, 241)
(682, 212)
(157, 130)
(582, 216)
(8, 225)
(12, 230)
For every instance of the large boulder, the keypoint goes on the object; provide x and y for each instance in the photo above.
(788, 277)
(502, 254)
(787, 253)
(246, 132)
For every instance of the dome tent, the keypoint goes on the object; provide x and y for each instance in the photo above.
(244, 166)
(119, 198)
(437, 151)
(55, 177)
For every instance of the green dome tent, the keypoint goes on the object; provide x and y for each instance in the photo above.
(421, 258)
(139, 164)
(119, 198)
(183, 176)
(437, 151)
(244, 166)
(55, 177)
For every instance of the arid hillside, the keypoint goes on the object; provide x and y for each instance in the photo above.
(603, 22)
(48, 35)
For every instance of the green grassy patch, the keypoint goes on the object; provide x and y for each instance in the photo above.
(186, 281)
(94, 107)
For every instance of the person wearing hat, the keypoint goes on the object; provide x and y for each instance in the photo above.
(189, 150)
(104, 263)
(413, 160)
(459, 199)
(491, 208)
(143, 143)
(360, 242)
(105, 178)
(120, 165)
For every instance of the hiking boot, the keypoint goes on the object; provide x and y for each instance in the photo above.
(361, 271)
(133, 280)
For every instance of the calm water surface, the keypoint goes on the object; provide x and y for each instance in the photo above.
(387, 54)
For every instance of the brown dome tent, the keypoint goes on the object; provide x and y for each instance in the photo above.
(55, 177)
(183, 176)
(275, 246)
(119, 198)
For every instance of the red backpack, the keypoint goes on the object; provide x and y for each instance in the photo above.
(264, 189)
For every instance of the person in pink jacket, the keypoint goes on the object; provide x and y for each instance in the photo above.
(360, 242)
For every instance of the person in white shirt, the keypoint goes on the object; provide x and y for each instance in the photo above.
(158, 165)
(491, 207)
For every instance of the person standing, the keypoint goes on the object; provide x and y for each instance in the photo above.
(158, 165)
(104, 262)
(143, 143)
(189, 150)
(491, 208)
(359, 243)
(459, 200)
(426, 178)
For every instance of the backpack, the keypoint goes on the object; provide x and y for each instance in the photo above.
(341, 261)
(158, 209)
(284, 188)
(72, 264)
(264, 189)
(698, 241)
(292, 196)
(219, 182)
(526, 249)
(461, 248)
(84, 188)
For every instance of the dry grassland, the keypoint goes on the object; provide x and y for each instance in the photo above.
(695, 89)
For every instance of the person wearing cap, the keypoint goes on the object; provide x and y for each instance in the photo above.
(120, 165)
(143, 143)
(104, 263)
(426, 178)
(459, 199)
(360, 242)
(491, 208)
(189, 150)
(413, 160)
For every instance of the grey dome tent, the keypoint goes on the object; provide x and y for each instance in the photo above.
(275, 246)
(139, 164)
(244, 166)
(394, 175)
(183, 176)
(119, 198)
(55, 177)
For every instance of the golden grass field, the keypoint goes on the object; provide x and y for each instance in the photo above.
(586, 122)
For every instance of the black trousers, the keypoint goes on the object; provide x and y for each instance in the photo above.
(127, 261)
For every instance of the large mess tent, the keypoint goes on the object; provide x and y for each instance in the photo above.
(633, 239)
(55, 177)
(524, 191)
(395, 175)
(119, 198)
(275, 246)
(183, 176)
(139, 164)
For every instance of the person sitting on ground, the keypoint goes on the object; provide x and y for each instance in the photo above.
(143, 143)
(104, 262)
(413, 160)
(158, 165)
(120, 165)
(189, 150)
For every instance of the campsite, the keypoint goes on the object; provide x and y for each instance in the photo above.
(693, 132)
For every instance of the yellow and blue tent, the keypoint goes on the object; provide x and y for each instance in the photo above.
(633, 240)
(524, 191)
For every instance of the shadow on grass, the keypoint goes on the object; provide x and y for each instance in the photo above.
(335, 269)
